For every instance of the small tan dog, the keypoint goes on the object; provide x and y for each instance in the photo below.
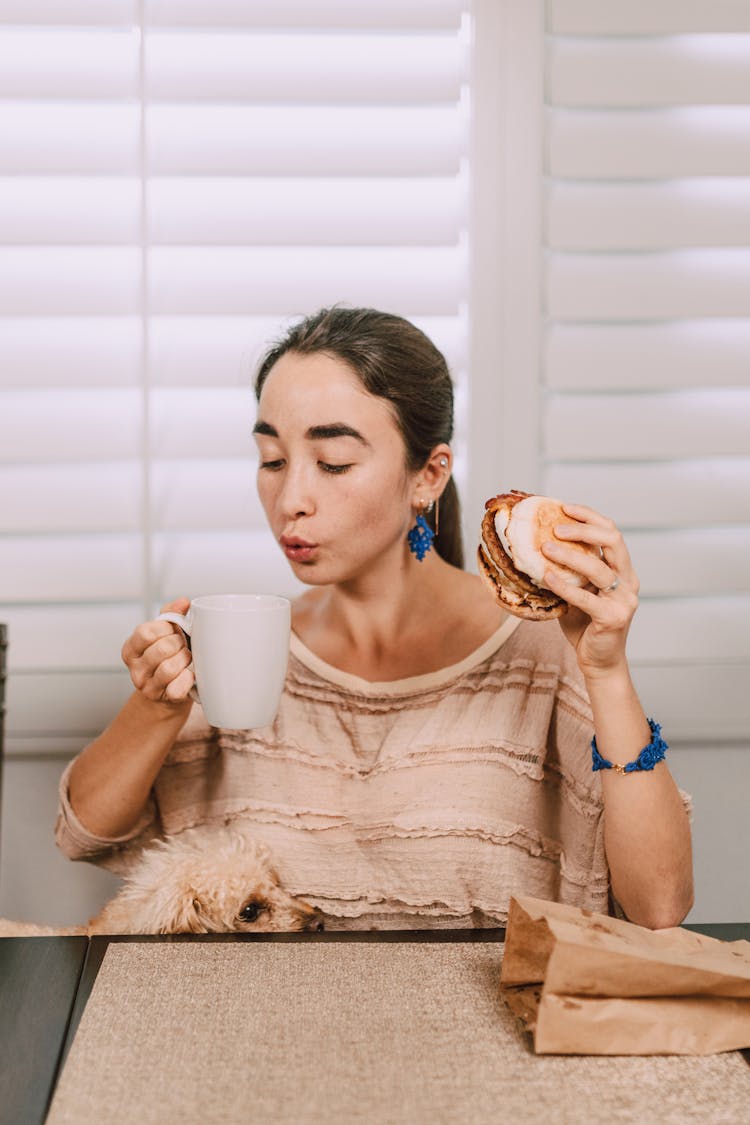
(206, 880)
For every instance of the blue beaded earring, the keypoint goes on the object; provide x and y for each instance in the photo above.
(421, 535)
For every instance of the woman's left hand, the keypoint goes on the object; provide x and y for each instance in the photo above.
(599, 614)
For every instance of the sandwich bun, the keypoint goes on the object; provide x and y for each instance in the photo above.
(511, 563)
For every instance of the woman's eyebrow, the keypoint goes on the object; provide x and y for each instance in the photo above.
(335, 429)
(315, 433)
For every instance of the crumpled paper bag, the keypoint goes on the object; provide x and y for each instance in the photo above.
(588, 984)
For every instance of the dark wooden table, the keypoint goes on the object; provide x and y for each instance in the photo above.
(39, 979)
(45, 983)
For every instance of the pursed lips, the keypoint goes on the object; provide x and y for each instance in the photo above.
(294, 541)
(298, 550)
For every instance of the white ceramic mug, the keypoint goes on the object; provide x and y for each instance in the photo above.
(240, 648)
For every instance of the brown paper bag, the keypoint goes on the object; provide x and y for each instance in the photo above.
(588, 984)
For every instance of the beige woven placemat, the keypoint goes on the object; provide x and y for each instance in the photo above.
(375, 1033)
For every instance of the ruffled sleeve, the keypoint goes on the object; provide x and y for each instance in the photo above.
(115, 853)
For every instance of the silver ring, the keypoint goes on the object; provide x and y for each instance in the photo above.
(609, 589)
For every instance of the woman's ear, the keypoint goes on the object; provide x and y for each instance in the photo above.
(430, 482)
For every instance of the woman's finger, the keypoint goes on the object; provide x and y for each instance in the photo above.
(174, 678)
(613, 610)
(595, 570)
(171, 667)
(179, 688)
(166, 680)
(588, 515)
(163, 660)
(607, 537)
(179, 605)
(158, 658)
(149, 634)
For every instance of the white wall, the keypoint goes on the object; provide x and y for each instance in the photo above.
(37, 883)
(718, 779)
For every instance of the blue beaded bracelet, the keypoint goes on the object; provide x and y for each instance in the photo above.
(646, 760)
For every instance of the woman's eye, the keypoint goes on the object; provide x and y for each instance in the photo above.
(275, 466)
(333, 468)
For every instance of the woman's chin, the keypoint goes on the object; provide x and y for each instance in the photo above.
(312, 573)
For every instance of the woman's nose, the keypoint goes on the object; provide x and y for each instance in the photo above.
(296, 497)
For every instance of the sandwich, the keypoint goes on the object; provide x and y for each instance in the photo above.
(514, 527)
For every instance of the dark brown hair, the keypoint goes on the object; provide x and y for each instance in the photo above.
(397, 362)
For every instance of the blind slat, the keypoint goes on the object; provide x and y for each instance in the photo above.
(107, 568)
(346, 69)
(55, 280)
(67, 63)
(691, 353)
(84, 568)
(69, 209)
(70, 637)
(704, 702)
(34, 746)
(215, 351)
(635, 427)
(69, 425)
(674, 70)
(232, 562)
(659, 286)
(413, 14)
(645, 143)
(70, 351)
(643, 17)
(89, 12)
(282, 280)
(65, 704)
(215, 493)
(648, 216)
(665, 631)
(60, 137)
(697, 561)
(303, 140)
(200, 423)
(301, 211)
(691, 493)
(69, 498)
(224, 351)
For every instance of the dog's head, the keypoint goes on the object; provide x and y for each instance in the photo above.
(214, 880)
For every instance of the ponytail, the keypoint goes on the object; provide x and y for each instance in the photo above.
(448, 542)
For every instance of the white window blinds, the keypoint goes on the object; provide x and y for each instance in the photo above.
(647, 356)
(178, 180)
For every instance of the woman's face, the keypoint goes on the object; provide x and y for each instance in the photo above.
(332, 474)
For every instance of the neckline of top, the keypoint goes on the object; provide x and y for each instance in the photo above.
(410, 683)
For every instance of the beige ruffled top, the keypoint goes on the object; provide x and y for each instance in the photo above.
(422, 802)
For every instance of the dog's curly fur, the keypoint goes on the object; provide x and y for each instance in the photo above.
(205, 880)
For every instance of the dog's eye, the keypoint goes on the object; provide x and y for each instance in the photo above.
(250, 912)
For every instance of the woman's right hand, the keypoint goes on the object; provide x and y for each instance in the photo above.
(159, 660)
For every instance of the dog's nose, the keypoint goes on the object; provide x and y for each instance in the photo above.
(315, 922)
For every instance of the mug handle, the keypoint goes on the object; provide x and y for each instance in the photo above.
(186, 625)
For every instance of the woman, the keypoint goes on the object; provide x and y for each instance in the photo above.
(431, 755)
